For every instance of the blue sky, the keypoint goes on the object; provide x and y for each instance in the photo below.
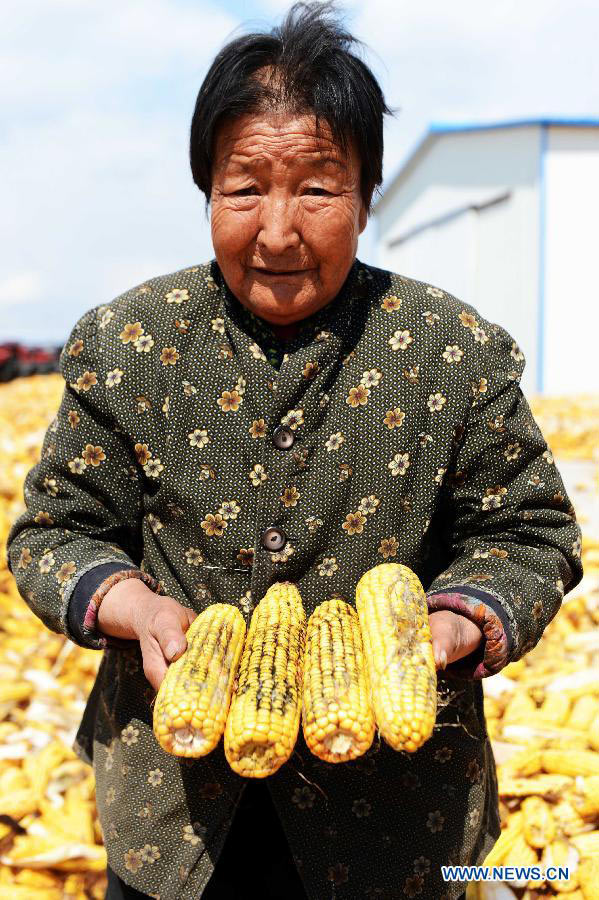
(97, 98)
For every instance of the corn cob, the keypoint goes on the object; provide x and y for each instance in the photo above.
(568, 820)
(506, 840)
(554, 710)
(570, 762)
(585, 796)
(519, 709)
(538, 823)
(588, 877)
(193, 699)
(337, 715)
(264, 717)
(586, 844)
(548, 786)
(583, 711)
(561, 853)
(393, 615)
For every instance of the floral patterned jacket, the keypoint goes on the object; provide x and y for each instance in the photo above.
(402, 435)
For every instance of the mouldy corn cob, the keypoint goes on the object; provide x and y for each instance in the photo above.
(193, 699)
(264, 717)
(337, 715)
(393, 615)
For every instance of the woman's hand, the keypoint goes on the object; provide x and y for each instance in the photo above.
(454, 636)
(160, 626)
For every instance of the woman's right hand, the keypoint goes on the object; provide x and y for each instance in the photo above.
(131, 610)
(160, 629)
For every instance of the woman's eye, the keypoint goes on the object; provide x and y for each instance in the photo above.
(245, 192)
(316, 191)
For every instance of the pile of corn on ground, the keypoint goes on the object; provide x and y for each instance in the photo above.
(542, 712)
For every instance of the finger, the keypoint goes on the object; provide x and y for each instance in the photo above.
(440, 654)
(154, 665)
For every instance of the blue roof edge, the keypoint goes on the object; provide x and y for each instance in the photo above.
(439, 127)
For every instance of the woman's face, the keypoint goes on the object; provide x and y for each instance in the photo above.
(286, 213)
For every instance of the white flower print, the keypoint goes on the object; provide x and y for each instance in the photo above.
(512, 451)
(431, 317)
(218, 325)
(516, 352)
(46, 562)
(230, 509)
(198, 437)
(153, 468)
(399, 464)
(144, 343)
(155, 777)
(368, 505)
(129, 735)
(480, 335)
(294, 418)
(436, 402)
(106, 317)
(400, 340)
(435, 292)
(77, 466)
(371, 378)
(335, 441)
(193, 556)
(114, 377)
(258, 475)
(548, 457)
(177, 295)
(149, 853)
(190, 836)
(452, 353)
(154, 522)
(257, 352)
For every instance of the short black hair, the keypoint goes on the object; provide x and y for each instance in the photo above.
(313, 70)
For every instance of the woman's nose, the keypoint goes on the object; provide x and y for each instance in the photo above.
(278, 228)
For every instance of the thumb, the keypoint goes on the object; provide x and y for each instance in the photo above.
(172, 642)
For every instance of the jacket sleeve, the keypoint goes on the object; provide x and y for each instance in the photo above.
(83, 498)
(508, 525)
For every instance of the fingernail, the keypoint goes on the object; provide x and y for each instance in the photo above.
(172, 649)
(443, 658)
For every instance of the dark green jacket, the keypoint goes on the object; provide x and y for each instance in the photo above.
(412, 442)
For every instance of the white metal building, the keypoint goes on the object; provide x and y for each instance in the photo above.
(505, 216)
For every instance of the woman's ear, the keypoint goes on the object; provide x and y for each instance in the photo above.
(363, 218)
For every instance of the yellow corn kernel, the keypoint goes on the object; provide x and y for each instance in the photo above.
(393, 614)
(264, 718)
(538, 824)
(335, 689)
(193, 700)
(570, 762)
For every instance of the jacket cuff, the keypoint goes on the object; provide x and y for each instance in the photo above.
(79, 603)
(485, 611)
(83, 610)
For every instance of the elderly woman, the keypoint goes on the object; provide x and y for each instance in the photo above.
(287, 412)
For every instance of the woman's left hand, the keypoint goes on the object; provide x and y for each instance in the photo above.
(454, 636)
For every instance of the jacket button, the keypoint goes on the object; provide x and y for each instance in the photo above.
(274, 539)
(283, 437)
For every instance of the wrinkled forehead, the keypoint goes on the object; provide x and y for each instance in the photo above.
(293, 137)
